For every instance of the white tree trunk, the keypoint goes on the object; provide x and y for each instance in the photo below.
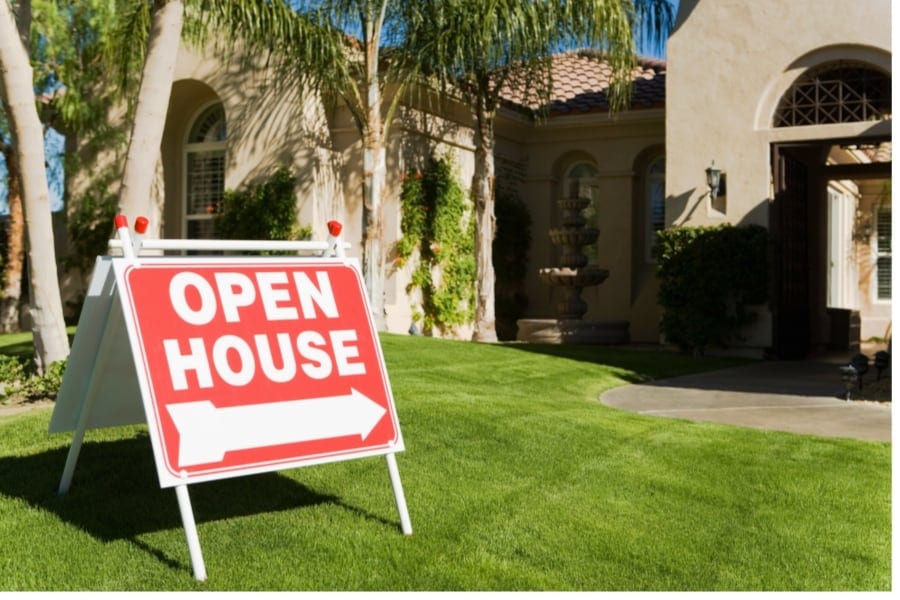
(48, 326)
(373, 248)
(483, 197)
(135, 198)
(374, 175)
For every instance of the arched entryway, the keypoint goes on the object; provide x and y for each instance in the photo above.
(831, 249)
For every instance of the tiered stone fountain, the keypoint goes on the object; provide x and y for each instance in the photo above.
(572, 277)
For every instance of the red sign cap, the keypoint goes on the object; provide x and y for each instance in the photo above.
(140, 224)
(120, 221)
(334, 228)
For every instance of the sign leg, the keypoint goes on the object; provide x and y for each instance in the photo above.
(399, 497)
(190, 532)
(65, 482)
(102, 352)
(77, 438)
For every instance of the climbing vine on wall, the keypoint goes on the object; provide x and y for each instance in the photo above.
(438, 237)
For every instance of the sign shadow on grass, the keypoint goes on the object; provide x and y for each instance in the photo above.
(115, 493)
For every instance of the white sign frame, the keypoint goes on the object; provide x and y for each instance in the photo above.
(104, 385)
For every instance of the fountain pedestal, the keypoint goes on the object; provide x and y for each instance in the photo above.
(572, 331)
(572, 277)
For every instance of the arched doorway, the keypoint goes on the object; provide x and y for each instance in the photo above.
(817, 254)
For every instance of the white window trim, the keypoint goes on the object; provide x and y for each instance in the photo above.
(876, 255)
(649, 232)
(191, 148)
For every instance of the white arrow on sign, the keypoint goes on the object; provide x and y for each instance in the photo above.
(207, 432)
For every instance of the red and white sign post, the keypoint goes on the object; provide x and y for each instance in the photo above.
(253, 364)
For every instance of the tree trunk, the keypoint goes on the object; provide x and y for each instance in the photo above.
(374, 175)
(15, 249)
(150, 115)
(48, 326)
(483, 197)
(373, 249)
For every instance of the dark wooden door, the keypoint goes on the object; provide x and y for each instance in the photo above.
(791, 294)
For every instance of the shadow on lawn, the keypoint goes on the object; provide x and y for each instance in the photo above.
(115, 492)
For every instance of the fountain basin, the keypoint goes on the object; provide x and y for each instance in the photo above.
(573, 204)
(572, 331)
(574, 237)
(566, 277)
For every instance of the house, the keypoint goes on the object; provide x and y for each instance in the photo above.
(791, 102)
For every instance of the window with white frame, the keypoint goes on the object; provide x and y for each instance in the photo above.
(883, 252)
(204, 158)
(655, 202)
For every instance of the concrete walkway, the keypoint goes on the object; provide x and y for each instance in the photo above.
(798, 397)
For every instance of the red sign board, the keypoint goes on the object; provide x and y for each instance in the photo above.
(255, 364)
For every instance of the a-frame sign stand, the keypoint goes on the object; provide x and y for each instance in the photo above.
(237, 364)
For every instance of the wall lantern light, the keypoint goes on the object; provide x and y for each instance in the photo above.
(713, 180)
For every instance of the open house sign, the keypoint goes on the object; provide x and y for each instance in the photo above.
(255, 365)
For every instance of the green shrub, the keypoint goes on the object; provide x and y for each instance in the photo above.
(263, 211)
(17, 378)
(709, 277)
(510, 250)
(12, 371)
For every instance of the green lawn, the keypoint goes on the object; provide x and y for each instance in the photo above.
(516, 478)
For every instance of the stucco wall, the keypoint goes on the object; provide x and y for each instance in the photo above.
(613, 145)
(268, 126)
(728, 64)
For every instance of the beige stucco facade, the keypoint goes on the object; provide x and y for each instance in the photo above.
(269, 126)
(728, 65)
(620, 149)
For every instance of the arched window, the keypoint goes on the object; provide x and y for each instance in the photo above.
(655, 204)
(580, 181)
(204, 159)
(841, 92)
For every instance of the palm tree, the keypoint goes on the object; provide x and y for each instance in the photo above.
(311, 41)
(151, 107)
(51, 344)
(479, 47)
(361, 85)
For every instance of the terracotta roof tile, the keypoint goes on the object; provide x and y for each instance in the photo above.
(580, 81)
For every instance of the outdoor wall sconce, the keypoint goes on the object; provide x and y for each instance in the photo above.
(713, 180)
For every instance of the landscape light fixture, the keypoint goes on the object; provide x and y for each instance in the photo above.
(713, 179)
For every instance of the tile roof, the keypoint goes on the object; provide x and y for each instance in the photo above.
(580, 81)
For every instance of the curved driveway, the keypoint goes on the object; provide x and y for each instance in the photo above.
(798, 397)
